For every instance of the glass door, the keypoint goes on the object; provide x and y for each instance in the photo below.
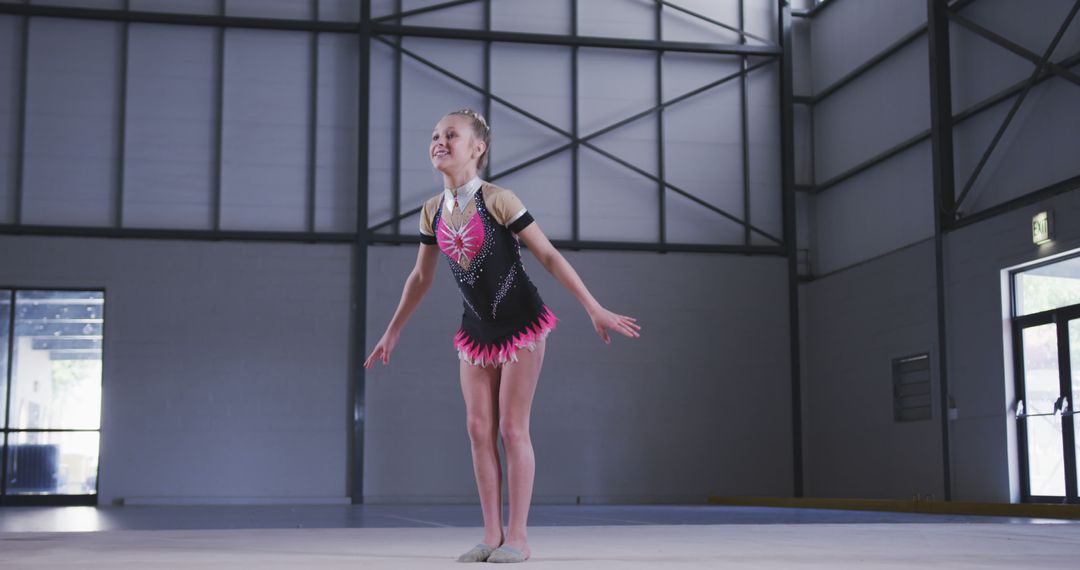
(1048, 384)
(51, 360)
(1072, 419)
(1046, 354)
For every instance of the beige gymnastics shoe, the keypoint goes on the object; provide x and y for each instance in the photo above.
(506, 553)
(479, 553)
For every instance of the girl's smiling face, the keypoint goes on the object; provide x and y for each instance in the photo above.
(453, 145)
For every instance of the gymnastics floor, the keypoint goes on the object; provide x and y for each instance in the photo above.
(565, 537)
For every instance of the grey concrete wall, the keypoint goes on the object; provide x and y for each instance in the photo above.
(226, 365)
(856, 323)
(698, 405)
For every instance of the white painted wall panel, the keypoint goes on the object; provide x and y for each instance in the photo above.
(336, 133)
(535, 78)
(875, 212)
(857, 322)
(546, 190)
(290, 9)
(617, 204)
(980, 68)
(1038, 149)
(72, 121)
(169, 159)
(1030, 24)
(680, 26)
(608, 420)
(381, 140)
(763, 129)
(550, 17)
(206, 7)
(469, 15)
(801, 61)
(265, 130)
(880, 109)
(427, 95)
(339, 10)
(226, 364)
(845, 37)
(703, 153)
(10, 88)
(107, 4)
(617, 19)
(761, 18)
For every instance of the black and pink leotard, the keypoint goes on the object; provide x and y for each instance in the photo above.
(475, 229)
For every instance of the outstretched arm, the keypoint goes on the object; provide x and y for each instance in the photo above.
(416, 286)
(561, 269)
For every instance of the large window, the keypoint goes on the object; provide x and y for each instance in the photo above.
(1046, 353)
(50, 357)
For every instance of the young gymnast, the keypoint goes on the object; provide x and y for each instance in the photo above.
(500, 344)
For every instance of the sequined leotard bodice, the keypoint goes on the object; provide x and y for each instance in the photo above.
(475, 230)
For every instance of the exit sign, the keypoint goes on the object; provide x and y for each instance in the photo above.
(1042, 227)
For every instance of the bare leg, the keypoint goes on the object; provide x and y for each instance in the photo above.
(480, 386)
(518, 385)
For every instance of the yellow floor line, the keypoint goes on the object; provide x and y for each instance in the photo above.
(1037, 510)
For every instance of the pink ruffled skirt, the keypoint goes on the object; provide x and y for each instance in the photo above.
(505, 348)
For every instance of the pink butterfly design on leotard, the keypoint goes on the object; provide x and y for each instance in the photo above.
(461, 244)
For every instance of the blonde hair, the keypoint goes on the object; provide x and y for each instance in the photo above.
(480, 129)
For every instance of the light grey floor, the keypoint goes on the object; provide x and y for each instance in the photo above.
(566, 537)
(81, 519)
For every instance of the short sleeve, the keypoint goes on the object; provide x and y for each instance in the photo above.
(427, 234)
(509, 211)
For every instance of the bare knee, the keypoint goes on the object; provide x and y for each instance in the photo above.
(481, 429)
(514, 431)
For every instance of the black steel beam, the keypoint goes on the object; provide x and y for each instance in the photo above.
(871, 162)
(959, 5)
(487, 79)
(176, 234)
(561, 40)
(777, 250)
(575, 154)
(957, 119)
(743, 34)
(1010, 91)
(744, 127)
(574, 144)
(1034, 197)
(869, 64)
(399, 14)
(219, 20)
(661, 194)
(1013, 47)
(1016, 106)
(360, 261)
(812, 12)
(571, 137)
(395, 176)
(942, 153)
(7, 392)
(787, 179)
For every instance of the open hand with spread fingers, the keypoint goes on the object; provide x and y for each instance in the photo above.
(604, 320)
